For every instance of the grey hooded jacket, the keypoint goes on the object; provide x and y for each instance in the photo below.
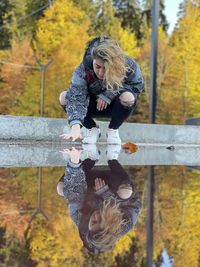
(78, 95)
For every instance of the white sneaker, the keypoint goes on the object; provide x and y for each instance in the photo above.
(92, 135)
(113, 151)
(90, 151)
(113, 137)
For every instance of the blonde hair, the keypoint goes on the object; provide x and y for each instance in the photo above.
(110, 227)
(114, 61)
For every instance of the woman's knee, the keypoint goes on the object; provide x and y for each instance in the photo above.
(127, 99)
(62, 98)
(125, 191)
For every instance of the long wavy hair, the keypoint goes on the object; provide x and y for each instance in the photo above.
(114, 61)
(110, 227)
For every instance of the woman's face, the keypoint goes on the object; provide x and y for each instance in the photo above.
(99, 68)
(95, 221)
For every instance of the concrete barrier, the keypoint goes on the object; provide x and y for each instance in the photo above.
(49, 129)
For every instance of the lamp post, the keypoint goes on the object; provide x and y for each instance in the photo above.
(152, 119)
(153, 64)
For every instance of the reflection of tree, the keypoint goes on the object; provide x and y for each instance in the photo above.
(14, 211)
(13, 252)
(54, 242)
(98, 260)
(176, 228)
(178, 206)
(133, 257)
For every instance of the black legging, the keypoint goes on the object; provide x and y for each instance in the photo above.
(118, 113)
(114, 174)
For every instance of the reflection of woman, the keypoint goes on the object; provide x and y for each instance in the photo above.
(106, 84)
(101, 202)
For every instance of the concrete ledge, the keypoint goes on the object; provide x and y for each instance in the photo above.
(49, 129)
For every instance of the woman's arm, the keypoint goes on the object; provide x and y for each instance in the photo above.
(77, 102)
(76, 97)
(75, 185)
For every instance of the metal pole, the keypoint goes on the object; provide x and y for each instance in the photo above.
(42, 87)
(150, 210)
(43, 68)
(153, 68)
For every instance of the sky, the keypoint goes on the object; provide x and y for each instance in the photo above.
(171, 10)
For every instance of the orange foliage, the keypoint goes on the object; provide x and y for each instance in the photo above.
(14, 76)
(22, 54)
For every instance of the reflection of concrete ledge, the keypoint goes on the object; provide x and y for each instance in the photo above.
(44, 154)
(49, 129)
(34, 141)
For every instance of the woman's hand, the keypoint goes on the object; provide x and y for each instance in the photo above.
(101, 104)
(74, 134)
(73, 153)
(99, 183)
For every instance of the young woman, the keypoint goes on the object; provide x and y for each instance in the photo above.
(101, 202)
(105, 84)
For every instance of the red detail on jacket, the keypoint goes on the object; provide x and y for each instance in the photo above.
(89, 77)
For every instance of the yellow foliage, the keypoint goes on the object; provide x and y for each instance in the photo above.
(177, 223)
(187, 47)
(128, 42)
(62, 36)
(63, 25)
(55, 243)
(124, 243)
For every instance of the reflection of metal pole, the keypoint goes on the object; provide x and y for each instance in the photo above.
(150, 206)
(154, 44)
(39, 206)
(40, 193)
(43, 69)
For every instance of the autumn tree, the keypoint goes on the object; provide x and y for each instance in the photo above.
(18, 64)
(130, 14)
(12, 251)
(147, 5)
(57, 38)
(34, 11)
(14, 19)
(186, 45)
(5, 34)
(54, 243)
(176, 216)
